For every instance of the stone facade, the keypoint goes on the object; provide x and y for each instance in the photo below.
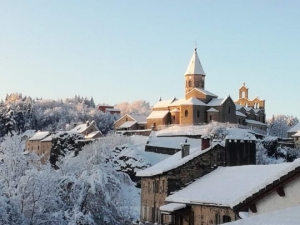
(200, 215)
(155, 189)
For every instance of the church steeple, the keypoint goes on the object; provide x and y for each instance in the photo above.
(195, 75)
(195, 66)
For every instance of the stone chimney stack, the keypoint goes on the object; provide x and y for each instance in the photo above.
(185, 149)
(205, 142)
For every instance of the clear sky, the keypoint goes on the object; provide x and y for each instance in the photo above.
(116, 51)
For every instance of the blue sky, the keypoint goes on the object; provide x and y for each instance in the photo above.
(116, 51)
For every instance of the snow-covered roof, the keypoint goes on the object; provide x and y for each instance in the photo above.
(288, 216)
(195, 66)
(173, 162)
(192, 130)
(92, 134)
(257, 110)
(294, 128)
(80, 128)
(296, 134)
(171, 142)
(238, 113)
(164, 103)
(205, 92)
(158, 114)
(29, 133)
(212, 110)
(112, 110)
(171, 207)
(255, 122)
(192, 101)
(216, 102)
(222, 182)
(238, 106)
(239, 134)
(175, 110)
(48, 138)
(127, 124)
(138, 118)
(39, 135)
(248, 109)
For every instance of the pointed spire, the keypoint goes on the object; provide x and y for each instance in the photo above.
(195, 66)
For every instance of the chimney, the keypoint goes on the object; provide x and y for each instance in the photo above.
(185, 149)
(205, 142)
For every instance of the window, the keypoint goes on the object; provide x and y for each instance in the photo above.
(186, 113)
(126, 119)
(163, 186)
(198, 114)
(157, 186)
(217, 219)
(197, 83)
(190, 83)
(173, 118)
(239, 120)
(154, 125)
(226, 219)
(210, 117)
(229, 110)
(148, 186)
(243, 94)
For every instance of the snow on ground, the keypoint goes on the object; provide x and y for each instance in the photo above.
(177, 130)
(289, 216)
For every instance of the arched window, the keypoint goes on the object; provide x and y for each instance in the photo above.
(190, 83)
(186, 113)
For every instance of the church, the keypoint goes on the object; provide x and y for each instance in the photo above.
(199, 106)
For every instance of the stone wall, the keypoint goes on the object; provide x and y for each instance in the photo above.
(156, 188)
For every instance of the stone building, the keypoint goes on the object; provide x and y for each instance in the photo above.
(227, 193)
(199, 106)
(88, 129)
(130, 124)
(182, 168)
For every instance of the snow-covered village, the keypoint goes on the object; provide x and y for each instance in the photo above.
(146, 113)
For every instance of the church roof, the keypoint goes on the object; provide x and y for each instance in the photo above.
(164, 103)
(195, 66)
(212, 110)
(216, 102)
(204, 92)
(158, 114)
(192, 101)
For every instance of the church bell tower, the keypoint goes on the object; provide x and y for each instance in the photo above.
(194, 76)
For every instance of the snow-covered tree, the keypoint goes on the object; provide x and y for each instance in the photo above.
(139, 107)
(279, 125)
